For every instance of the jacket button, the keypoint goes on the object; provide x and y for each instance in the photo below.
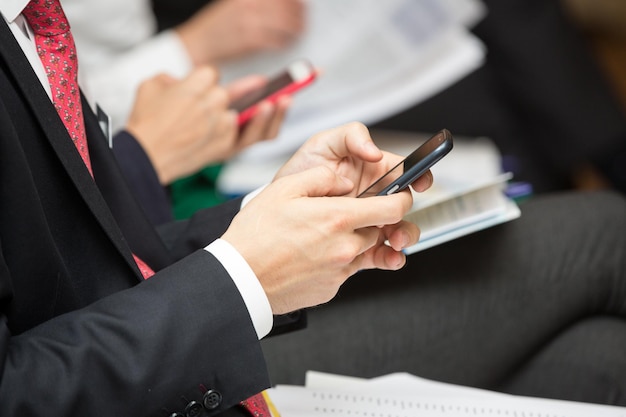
(177, 415)
(194, 409)
(212, 399)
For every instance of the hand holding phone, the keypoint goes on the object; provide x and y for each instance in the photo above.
(296, 76)
(413, 166)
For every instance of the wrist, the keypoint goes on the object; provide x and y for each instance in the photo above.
(193, 38)
(159, 166)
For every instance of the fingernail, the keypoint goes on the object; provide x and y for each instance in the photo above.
(371, 147)
(266, 108)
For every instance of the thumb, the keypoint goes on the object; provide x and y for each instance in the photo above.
(320, 181)
(201, 78)
(248, 84)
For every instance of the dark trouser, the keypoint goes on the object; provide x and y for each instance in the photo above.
(536, 306)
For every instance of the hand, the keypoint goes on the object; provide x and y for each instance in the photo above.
(349, 151)
(185, 125)
(267, 121)
(303, 238)
(228, 29)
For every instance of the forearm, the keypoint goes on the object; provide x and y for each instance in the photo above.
(138, 351)
(114, 85)
(142, 178)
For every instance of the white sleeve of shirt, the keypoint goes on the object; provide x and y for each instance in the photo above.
(118, 47)
(114, 84)
(247, 283)
(245, 279)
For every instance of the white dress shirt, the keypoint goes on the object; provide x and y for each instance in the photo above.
(118, 48)
(244, 278)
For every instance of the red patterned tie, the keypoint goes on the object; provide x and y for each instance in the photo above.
(56, 49)
(257, 406)
(146, 271)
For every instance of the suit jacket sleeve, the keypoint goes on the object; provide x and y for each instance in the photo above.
(80, 332)
(149, 350)
(142, 178)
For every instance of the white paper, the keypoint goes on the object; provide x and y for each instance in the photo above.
(377, 58)
(292, 401)
(402, 394)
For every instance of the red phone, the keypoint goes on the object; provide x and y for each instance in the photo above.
(296, 76)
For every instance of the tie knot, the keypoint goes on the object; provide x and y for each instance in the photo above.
(46, 17)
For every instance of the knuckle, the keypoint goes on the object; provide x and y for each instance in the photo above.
(346, 254)
(357, 127)
(326, 173)
(318, 139)
(220, 97)
(204, 77)
(395, 211)
(339, 224)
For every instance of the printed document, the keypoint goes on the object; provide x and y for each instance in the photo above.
(405, 395)
(376, 58)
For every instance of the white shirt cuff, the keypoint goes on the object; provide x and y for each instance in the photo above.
(247, 283)
(251, 195)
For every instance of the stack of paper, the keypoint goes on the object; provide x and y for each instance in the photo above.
(468, 193)
(377, 58)
(405, 395)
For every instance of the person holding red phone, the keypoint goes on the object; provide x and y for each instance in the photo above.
(120, 49)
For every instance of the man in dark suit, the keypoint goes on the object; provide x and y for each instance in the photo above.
(84, 334)
(81, 337)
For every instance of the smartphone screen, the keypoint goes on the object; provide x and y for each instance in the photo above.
(412, 167)
(296, 76)
(275, 84)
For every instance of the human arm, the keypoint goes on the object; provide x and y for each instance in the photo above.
(137, 352)
(350, 151)
(228, 29)
(318, 242)
(184, 125)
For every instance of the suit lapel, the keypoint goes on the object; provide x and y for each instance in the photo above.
(59, 139)
(139, 233)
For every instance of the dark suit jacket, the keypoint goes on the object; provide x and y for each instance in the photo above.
(80, 332)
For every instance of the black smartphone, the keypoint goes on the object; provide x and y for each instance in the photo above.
(413, 166)
(296, 76)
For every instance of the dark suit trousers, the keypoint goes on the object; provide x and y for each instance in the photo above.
(536, 306)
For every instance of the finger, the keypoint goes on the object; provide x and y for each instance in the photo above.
(276, 122)
(201, 79)
(155, 85)
(245, 85)
(320, 181)
(352, 254)
(164, 79)
(380, 256)
(368, 238)
(387, 258)
(215, 99)
(401, 235)
(350, 140)
(224, 132)
(256, 128)
(378, 210)
(423, 183)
